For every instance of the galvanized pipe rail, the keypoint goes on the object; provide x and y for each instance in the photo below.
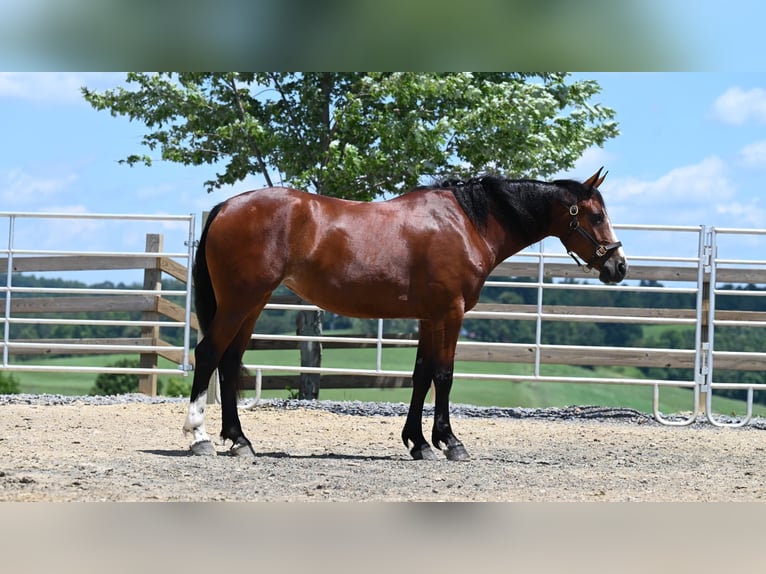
(19, 258)
(694, 273)
(697, 270)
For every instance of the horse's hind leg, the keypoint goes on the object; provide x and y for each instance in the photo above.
(206, 361)
(208, 355)
(230, 371)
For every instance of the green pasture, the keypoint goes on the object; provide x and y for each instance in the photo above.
(69, 382)
(476, 392)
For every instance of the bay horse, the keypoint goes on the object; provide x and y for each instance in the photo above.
(423, 255)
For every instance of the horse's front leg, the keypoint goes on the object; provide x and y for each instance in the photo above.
(442, 436)
(413, 427)
(421, 381)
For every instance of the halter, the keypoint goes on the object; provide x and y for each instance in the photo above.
(602, 252)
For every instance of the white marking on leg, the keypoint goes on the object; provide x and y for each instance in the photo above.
(195, 419)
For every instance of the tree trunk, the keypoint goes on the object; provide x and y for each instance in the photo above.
(309, 323)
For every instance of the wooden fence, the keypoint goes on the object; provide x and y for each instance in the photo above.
(57, 305)
(664, 358)
(700, 275)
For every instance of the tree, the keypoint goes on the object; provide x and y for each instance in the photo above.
(117, 383)
(9, 384)
(361, 135)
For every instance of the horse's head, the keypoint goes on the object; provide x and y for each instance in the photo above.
(587, 233)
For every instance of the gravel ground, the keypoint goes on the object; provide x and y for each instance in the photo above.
(131, 448)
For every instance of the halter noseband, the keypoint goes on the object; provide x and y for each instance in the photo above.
(602, 252)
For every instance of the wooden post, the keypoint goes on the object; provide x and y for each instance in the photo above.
(147, 384)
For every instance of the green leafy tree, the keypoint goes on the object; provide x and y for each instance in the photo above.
(9, 384)
(117, 383)
(177, 387)
(360, 135)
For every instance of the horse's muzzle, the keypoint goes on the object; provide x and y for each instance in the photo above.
(614, 269)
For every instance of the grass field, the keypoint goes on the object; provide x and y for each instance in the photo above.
(477, 392)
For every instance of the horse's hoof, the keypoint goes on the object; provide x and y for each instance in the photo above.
(242, 448)
(457, 452)
(423, 453)
(203, 448)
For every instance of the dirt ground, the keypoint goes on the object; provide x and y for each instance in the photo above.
(137, 452)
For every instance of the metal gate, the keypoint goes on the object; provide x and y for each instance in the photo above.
(73, 245)
(729, 276)
(683, 260)
(704, 264)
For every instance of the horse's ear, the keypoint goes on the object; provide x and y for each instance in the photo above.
(594, 181)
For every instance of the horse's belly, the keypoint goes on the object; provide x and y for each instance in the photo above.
(369, 299)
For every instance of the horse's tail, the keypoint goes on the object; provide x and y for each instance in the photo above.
(204, 296)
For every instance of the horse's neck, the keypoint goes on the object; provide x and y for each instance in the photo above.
(505, 242)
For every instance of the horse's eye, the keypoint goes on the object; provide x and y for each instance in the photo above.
(597, 218)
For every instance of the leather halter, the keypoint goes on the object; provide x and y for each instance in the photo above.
(601, 253)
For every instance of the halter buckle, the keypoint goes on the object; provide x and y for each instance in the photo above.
(574, 210)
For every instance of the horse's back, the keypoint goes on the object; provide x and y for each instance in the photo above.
(380, 259)
(412, 214)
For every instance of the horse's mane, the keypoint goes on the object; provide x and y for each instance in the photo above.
(523, 205)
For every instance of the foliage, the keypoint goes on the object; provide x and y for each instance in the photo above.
(117, 383)
(9, 385)
(360, 135)
(177, 387)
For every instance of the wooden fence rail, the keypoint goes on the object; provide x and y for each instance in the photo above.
(153, 307)
(158, 307)
(570, 354)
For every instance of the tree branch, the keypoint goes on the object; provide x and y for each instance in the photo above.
(253, 144)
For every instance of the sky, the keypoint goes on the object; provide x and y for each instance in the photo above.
(692, 151)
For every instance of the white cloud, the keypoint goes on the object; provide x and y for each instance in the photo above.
(591, 160)
(55, 87)
(692, 195)
(754, 154)
(702, 182)
(18, 187)
(737, 106)
(737, 214)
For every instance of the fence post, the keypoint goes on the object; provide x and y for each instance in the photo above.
(147, 384)
(706, 328)
(705, 341)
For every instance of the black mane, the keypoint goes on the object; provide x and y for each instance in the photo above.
(522, 205)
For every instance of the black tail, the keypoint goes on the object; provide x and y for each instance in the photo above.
(204, 296)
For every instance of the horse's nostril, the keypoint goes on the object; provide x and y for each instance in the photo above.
(622, 268)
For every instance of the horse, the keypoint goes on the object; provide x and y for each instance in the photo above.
(423, 255)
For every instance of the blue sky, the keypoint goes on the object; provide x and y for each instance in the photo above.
(692, 151)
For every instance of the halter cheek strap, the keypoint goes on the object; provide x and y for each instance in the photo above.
(601, 253)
